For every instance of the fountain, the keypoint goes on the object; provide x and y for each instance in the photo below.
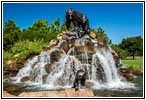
(57, 64)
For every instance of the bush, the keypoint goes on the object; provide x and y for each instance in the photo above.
(26, 48)
(6, 55)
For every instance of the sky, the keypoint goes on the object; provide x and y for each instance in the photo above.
(118, 20)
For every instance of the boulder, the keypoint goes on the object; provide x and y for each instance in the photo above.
(136, 72)
(43, 94)
(127, 76)
(48, 68)
(59, 37)
(70, 92)
(44, 78)
(124, 70)
(10, 62)
(92, 35)
(89, 84)
(23, 79)
(16, 56)
(55, 55)
(65, 46)
(65, 37)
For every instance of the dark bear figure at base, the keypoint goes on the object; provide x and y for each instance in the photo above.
(79, 20)
(80, 79)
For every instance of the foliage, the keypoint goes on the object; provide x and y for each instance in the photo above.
(132, 45)
(6, 55)
(101, 36)
(10, 34)
(26, 48)
(122, 53)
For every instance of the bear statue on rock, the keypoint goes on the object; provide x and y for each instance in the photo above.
(80, 21)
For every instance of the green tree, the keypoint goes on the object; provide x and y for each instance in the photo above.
(120, 51)
(63, 26)
(11, 34)
(132, 45)
(101, 35)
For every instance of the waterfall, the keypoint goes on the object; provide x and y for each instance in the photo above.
(60, 73)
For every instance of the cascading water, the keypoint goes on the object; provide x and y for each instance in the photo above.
(99, 65)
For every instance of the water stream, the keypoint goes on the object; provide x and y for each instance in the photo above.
(100, 67)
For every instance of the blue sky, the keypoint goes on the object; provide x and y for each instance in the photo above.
(119, 20)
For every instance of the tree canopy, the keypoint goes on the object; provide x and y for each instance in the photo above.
(132, 45)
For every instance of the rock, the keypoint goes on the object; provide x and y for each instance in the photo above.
(59, 37)
(43, 94)
(35, 63)
(136, 72)
(89, 84)
(65, 37)
(125, 70)
(46, 48)
(48, 68)
(127, 76)
(16, 66)
(64, 32)
(70, 92)
(71, 42)
(53, 42)
(16, 56)
(65, 46)
(13, 88)
(23, 79)
(93, 35)
(6, 94)
(10, 62)
(44, 78)
(32, 94)
(55, 56)
(55, 94)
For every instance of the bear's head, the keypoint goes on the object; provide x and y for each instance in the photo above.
(69, 12)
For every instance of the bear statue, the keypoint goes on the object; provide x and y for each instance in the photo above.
(80, 21)
(80, 79)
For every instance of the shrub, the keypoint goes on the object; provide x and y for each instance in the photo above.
(27, 48)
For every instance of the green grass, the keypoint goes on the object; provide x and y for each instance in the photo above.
(137, 63)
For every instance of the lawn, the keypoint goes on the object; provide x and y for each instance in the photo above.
(137, 63)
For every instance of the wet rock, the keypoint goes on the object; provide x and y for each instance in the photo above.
(46, 48)
(44, 78)
(136, 72)
(125, 70)
(55, 56)
(89, 84)
(65, 46)
(53, 42)
(23, 79)
(127, 76)
(35, 63)
(48, 68)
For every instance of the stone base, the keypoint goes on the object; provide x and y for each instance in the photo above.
(69, 92)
